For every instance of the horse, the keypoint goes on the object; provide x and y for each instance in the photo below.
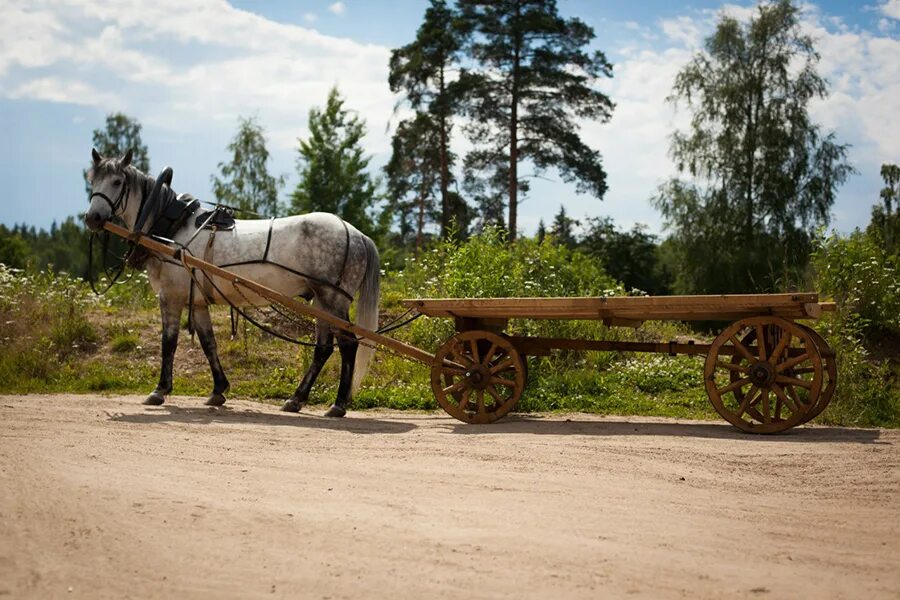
(316, 256)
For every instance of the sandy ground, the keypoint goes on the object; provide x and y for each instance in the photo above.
(102, 497)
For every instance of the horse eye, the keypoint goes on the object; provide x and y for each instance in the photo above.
(117, 182)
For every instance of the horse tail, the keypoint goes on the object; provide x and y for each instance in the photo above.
(367, 311)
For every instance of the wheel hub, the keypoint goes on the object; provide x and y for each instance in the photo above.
(479, 376)
(762, 374)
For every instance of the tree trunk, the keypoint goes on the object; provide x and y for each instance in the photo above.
(445, 168)
(513, 136)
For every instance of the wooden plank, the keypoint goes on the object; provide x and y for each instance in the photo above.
(295, 305)
(727, 307)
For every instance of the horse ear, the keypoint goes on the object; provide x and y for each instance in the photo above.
(96, 156)
(126, 160)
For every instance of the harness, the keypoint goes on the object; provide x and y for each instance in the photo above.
(114, 206)
(172, 211)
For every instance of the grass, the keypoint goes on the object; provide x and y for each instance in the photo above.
(57, 337)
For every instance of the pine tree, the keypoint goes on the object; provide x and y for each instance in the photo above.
(332, 166)
(532, 83)
(413, 173)
(422, 70)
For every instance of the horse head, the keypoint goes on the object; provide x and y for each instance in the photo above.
(110, 179)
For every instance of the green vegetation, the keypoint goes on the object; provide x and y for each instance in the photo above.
(58, 337)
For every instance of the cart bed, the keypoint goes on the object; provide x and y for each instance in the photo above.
(628, 308)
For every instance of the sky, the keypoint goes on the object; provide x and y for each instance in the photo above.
(188, 69)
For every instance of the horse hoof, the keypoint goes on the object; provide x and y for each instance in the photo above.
(215, 400)
(154, 399)
(292, 405)
(336, 412)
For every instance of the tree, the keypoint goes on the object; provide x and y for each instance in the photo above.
(886, 217)
(422, 70)
(121, 133)
(14, 250)
(332, 166)
(764, 176)
(412, 175)
(533, 80)
(563, 229)
(245, 182)
(632, 257)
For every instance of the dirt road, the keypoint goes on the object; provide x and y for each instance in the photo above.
(103, 497)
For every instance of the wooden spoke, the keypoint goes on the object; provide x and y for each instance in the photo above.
(784, 398)
(764, 355)
(502, 366)
(734, 385)
(497, 374)
(496, 395)
(464, 400)
(761, 342)
(476, 358)
(791, 362)
(731, 366)
(794, 381)
(742, 349)
(457, 387)
(748, 399)
(782, 344)
(491, 352)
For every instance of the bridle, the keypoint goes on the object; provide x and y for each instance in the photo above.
(121, 201)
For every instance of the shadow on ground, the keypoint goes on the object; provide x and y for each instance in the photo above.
(225, 414)
(513, 424)
(636, 427)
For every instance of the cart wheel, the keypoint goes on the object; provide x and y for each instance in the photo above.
(764, 387)
(477, 376)
(830, 363)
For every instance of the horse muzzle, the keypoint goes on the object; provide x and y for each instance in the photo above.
(94, 221)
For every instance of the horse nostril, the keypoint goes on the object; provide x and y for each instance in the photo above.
(93, 221)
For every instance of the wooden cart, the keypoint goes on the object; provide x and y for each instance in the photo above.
(764, 373)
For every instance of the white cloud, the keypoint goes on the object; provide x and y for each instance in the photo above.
(310, 17)
(891, 9)
(338, 8)
(682, 30)
(77, 51)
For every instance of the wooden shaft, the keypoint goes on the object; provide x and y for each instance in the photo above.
(295, 305)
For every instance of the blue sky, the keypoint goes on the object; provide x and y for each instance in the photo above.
(187, 70)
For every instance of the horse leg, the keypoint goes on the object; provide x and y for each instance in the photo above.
(204, 328)
(347, 344)
(171, 323)
(324, 348)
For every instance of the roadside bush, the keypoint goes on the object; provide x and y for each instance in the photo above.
(864, 280)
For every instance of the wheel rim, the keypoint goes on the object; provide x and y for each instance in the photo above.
(829, 362)
(477, 376)
(764, 387)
